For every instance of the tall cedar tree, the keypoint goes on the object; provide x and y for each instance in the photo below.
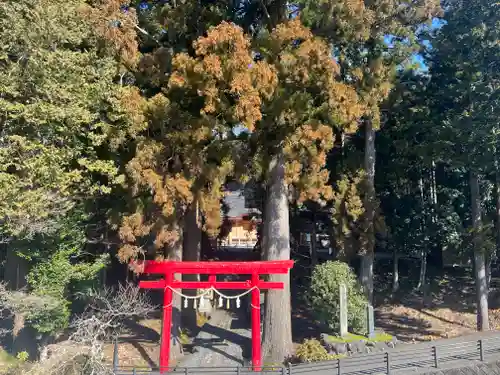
(464, 102)
(371, 39)
(287, 101)
(60, 110)
(403, 181)
(284, 91)
(179, 160)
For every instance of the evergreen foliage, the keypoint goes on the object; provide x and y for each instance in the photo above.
(55, 83)
(128, 118)
(311, 350)
(324, 296)
(60, 108)
(371, 40)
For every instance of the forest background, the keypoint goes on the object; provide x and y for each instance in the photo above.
(123, 121)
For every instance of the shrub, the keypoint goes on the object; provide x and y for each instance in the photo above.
(324, 296)
(22, 356)
(61, 271)
(42, 312)
(311, 351)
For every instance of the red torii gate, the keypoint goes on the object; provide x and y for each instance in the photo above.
(169, 268)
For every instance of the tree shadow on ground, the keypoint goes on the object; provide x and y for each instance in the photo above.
(446, 305)
(403, 327)
(140, 337)
(143, 353)
(304, 325)
(243, 342)
(444, 320)
(139, 332)
(442, 290)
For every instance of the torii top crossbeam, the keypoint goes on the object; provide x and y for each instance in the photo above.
(218, 268)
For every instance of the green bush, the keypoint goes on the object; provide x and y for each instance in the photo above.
(311, 351)
(23, 356)
(62, 273)
(324, 296)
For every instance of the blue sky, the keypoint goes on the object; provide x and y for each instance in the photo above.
(436, 23)
(418, 58)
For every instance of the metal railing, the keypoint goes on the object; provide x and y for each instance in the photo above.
(401, 359)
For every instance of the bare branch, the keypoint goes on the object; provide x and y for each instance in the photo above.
(104, 319)
(108, 311)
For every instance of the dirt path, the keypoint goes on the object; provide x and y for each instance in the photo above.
(233, 352)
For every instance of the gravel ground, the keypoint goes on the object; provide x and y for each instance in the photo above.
(235, 350)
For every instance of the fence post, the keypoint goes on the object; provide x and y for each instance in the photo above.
(115, 357)
(238, 370)
(388, 362)
(481, 350)
(434, 350)
(289, 369)
(186, 370)
(133, 371)
(338, 366)
(283, 371)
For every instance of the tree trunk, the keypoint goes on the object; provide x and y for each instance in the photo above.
(492, 258)
(366, 276)
(314, 245)
(395, 270)
(497, 215)
(423, 227)
(176, 343)
(479, 257)
(488, 272)
(433, 192)
(366, 271)
(423, 271)
(16, 270)
(192, 234)
(277, 334)
(191, 252)
(436, 250)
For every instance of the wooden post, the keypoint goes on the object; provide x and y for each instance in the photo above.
(166, 326)
(255, 306)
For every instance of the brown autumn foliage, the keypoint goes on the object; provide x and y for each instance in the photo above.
(116, 28)
(289, 99)
(283, 89)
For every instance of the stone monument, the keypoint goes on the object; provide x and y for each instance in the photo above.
(370, 321)
(343, 310)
